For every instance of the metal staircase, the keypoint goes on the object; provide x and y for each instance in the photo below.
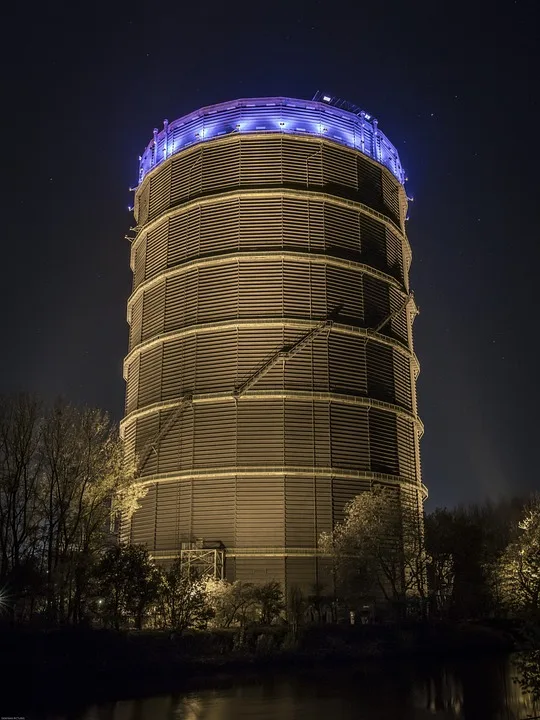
(154, 443)
(393, 314)
(282, 355)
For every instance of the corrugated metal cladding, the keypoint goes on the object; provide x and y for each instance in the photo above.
(244, 435)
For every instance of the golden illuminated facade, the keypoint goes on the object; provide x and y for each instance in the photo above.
(271, 373)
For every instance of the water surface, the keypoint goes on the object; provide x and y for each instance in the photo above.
(479, 689)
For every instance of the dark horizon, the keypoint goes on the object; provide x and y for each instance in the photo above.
(453, 88)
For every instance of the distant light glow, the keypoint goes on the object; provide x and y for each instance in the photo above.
(5, 599)
(326, 98)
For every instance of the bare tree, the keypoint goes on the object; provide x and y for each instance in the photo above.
(60, 470)
(19, 473)
(20, 434)
(82, 470)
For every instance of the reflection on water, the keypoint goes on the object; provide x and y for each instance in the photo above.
(482, 689)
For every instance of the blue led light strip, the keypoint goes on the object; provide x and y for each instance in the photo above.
(284, 115)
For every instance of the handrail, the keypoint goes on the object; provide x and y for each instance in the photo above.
(238, 323)
(151, 445)
(260, 256)
(270, 192)
(285, 353)
(279, 395)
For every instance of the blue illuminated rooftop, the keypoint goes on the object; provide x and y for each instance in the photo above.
(340, 122)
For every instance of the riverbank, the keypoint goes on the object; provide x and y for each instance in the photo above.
(72, 667)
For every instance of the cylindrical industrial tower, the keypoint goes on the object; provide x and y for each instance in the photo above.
(271, 373)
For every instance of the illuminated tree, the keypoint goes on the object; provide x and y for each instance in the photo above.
(59, 471)
(232, 603)
(183, 598)
(82, 468)
(378, 549)
(242, 603)
(518, 570)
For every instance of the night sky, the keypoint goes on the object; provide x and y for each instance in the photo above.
(454, 85)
